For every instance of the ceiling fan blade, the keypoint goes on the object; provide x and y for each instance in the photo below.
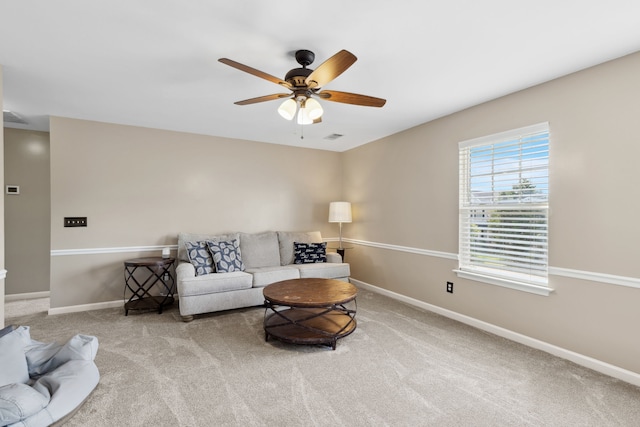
(351, 98)
(330, 69)
(263, 98)
(254, 72)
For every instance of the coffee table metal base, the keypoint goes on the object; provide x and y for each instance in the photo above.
(309, 326)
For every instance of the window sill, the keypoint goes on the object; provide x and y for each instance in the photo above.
(505, 283)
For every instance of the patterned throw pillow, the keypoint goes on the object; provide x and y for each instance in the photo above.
(226, 256)
(308, 253)
(200, 257)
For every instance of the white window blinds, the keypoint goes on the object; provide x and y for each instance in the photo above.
(504, 204)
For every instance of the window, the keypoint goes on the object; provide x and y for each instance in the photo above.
(504, 205)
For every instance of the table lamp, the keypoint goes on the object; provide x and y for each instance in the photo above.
(340, 212)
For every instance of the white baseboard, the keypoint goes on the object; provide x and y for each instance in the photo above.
(25, 296)
(580, 359)
(63, 310)
(92, 306)
(86, 307)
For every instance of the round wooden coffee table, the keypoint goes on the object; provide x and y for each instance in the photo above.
(309, 311)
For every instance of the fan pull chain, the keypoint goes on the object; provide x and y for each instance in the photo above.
(298, 112)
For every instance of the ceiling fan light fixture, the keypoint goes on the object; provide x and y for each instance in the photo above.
(303, 116)
(288, 109)
(314, 109)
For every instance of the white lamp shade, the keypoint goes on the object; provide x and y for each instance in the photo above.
(288, 109)
(340, 212)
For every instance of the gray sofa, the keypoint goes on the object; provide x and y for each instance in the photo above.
(44, 383)
(267, 257)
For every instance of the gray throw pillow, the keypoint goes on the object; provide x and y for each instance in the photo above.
(309, 253)
(200, 257)
(226, 256)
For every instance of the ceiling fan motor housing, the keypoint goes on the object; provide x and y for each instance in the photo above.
(305, 57)
(298, 76)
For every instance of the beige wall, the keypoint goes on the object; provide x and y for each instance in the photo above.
(139, 187)
(27, 215)
(404, 191)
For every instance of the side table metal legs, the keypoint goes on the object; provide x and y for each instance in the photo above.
(158, 275)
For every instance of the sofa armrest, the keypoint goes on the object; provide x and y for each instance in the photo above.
(185, 270)
(334, 257)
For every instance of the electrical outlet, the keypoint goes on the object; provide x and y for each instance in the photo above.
(450, 287)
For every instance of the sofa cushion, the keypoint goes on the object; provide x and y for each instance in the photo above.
(200, 256)
(309, 253)
(226, 255)
(19, 401)
(199, 237)
(264, 276)
(214, 283)
(286, 239)
(13, 361)
(260, 249)
(324, 270)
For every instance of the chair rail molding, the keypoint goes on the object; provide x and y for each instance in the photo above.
(610, 279)
(114, 250)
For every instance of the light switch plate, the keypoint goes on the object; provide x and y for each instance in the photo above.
(75, 221)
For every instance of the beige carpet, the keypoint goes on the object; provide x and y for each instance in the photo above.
(401, 367)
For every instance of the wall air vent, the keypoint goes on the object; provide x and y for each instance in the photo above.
(11, 117)
(333, 136)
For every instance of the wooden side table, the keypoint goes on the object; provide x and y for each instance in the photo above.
(156, 273)
(341, 251)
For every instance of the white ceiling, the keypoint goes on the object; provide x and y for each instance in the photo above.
(153, 63)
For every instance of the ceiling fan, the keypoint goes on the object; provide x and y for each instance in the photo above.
(306, 84)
